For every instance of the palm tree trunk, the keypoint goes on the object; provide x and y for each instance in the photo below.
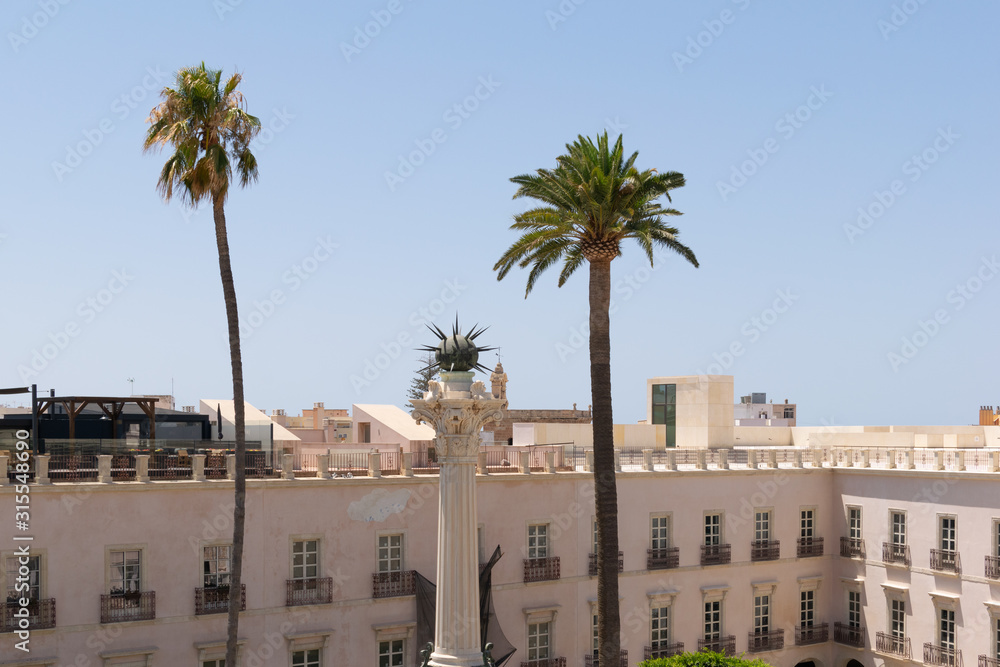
(239, 513)
(606, 492)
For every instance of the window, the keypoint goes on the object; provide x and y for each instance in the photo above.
(946, 629)
(216, 566)
(659, 532)
(761, 614)
(390, 553)
(807, 608)
(538, 540)
(789, 412)
(539, 641)
(664, 409)
(390, 653)
(996, 638)
(807, 524)
(659, 627)
(713, 620)
(213, 663)
(305, 559)
(593, 528)
(33, 579)
(126, 571)
(854, 523)
(897, 619)
(762, 525)
(897, 528)
(311, 658)
(946, 532)
(713, 529)
(595, 645)
(854, 609)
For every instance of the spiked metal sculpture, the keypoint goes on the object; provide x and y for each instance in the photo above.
(456, 352)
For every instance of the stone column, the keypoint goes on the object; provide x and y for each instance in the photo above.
(671, 460)
(618, 460)
(550, 462)
(104, 468)
(772, 458)
(647, 459)
(483, 465)
(41, 469)
(4, 479)
(323, 466)
(524, 463)
(407, 464)
(700, 460)
(374, 464)
(752, 459)
(142, 467)
(723, 459)
(589, 465)
(457, 408)
(198, 467)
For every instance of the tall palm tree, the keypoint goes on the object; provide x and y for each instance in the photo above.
(206, 123)
(593, 200)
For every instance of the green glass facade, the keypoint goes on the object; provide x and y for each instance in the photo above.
(665, 410)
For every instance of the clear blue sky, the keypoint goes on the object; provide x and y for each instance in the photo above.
(830, 103)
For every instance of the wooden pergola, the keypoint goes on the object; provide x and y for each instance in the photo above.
(112, 406)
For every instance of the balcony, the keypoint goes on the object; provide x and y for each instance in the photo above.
(716, 554)
(852, 547)
(663, 559)
(993, 567)
(592, 568)
(942, 656)
(765, 550)
(766, 641)
(41, 615)
(591, 660)
(665, 650)
(541, 569)
(892, 645)
(987, 661)
(849, 635)
(811, 634)
(946, 561)
(394, 584)
(895, 554)
(125, 607)
(809, 547)
(318, 590)
(215, 600)
(545, 662)
(725, 645)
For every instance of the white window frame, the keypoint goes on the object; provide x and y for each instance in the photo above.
(296, 539)
(763, 524)
(714, 530)
(897, 537)
(538, 630)
(218, 575)
(713, 602)
(661, 526)
(855, 523)
(386, 564)
(855, 613)
(109, 568)
(142, 656)
(540, 548)
(10, 559)
(896, 610)
(387, 632)
(811, 522)
(951, 539)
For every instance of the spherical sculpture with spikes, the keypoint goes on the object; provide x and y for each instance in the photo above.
(456, 352)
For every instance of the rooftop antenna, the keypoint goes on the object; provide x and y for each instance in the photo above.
(131, 382)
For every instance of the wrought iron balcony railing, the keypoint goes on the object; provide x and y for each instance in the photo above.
(318, 590)
(896, 553)
(394, 584)
(541, 569)
(892, 645)
(993, 567)
(725, 645)
(125, 607)
(592, 565)
(943, 560)
(765, 550)
(716, 554)
(851, 635)
(664, 650)
(545, 662)
(591, 660)
(809, 547)
(41, 614)
(811, 634)
(663, 559)
(215, 600)
(773, 640)
(942, 656)
(852, 547)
